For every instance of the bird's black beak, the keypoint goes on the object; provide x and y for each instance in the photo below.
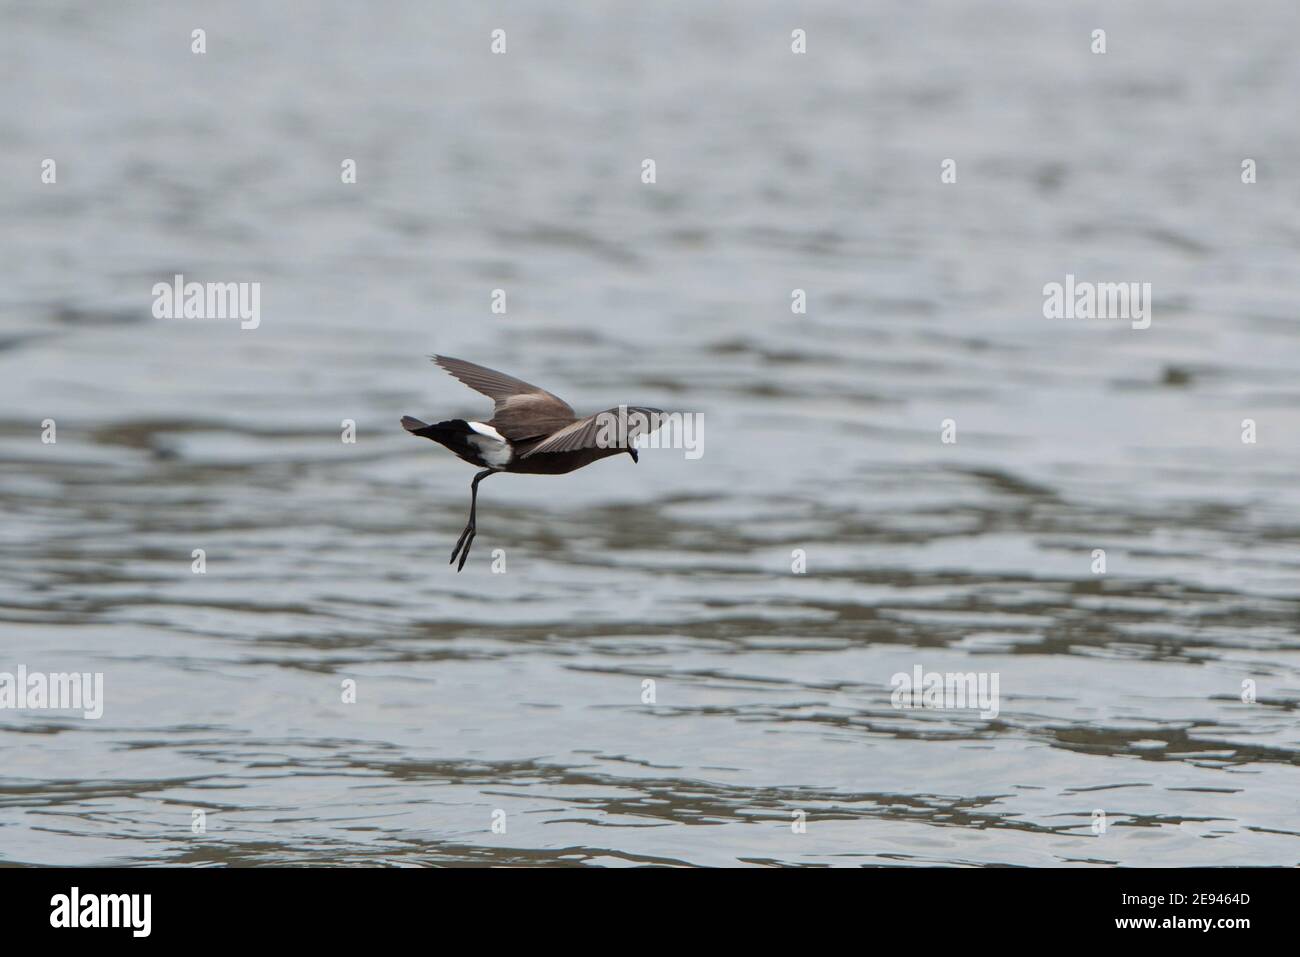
(635, 457)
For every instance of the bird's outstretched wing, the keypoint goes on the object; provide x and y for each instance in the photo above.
(523, 411)
(613, 428)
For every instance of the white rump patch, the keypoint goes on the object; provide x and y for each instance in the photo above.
(491, 444)
(487, 430)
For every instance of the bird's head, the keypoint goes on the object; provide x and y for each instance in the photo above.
(632, 452)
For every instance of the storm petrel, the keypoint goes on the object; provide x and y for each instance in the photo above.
(531, 431)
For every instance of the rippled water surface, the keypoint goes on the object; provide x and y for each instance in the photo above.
(523, 692)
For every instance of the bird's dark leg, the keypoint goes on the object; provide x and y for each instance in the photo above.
(467, 536)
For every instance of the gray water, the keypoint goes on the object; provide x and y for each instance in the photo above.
(522, 692)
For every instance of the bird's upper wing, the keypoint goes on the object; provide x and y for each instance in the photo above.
(602, 430)
(523, 411)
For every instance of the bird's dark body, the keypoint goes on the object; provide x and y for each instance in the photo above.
(454, 434)
(532, 432)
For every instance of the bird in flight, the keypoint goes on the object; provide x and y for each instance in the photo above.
(531, 431)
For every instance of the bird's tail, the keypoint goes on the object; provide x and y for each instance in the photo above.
(450, 433)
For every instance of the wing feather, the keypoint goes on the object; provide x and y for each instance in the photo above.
(522, 410)
(601, 430)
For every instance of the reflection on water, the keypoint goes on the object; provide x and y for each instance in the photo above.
(525, 692)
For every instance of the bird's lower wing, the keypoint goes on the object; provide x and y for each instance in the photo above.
(612, 429)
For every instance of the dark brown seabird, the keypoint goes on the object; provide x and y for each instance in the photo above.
(530, 431)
